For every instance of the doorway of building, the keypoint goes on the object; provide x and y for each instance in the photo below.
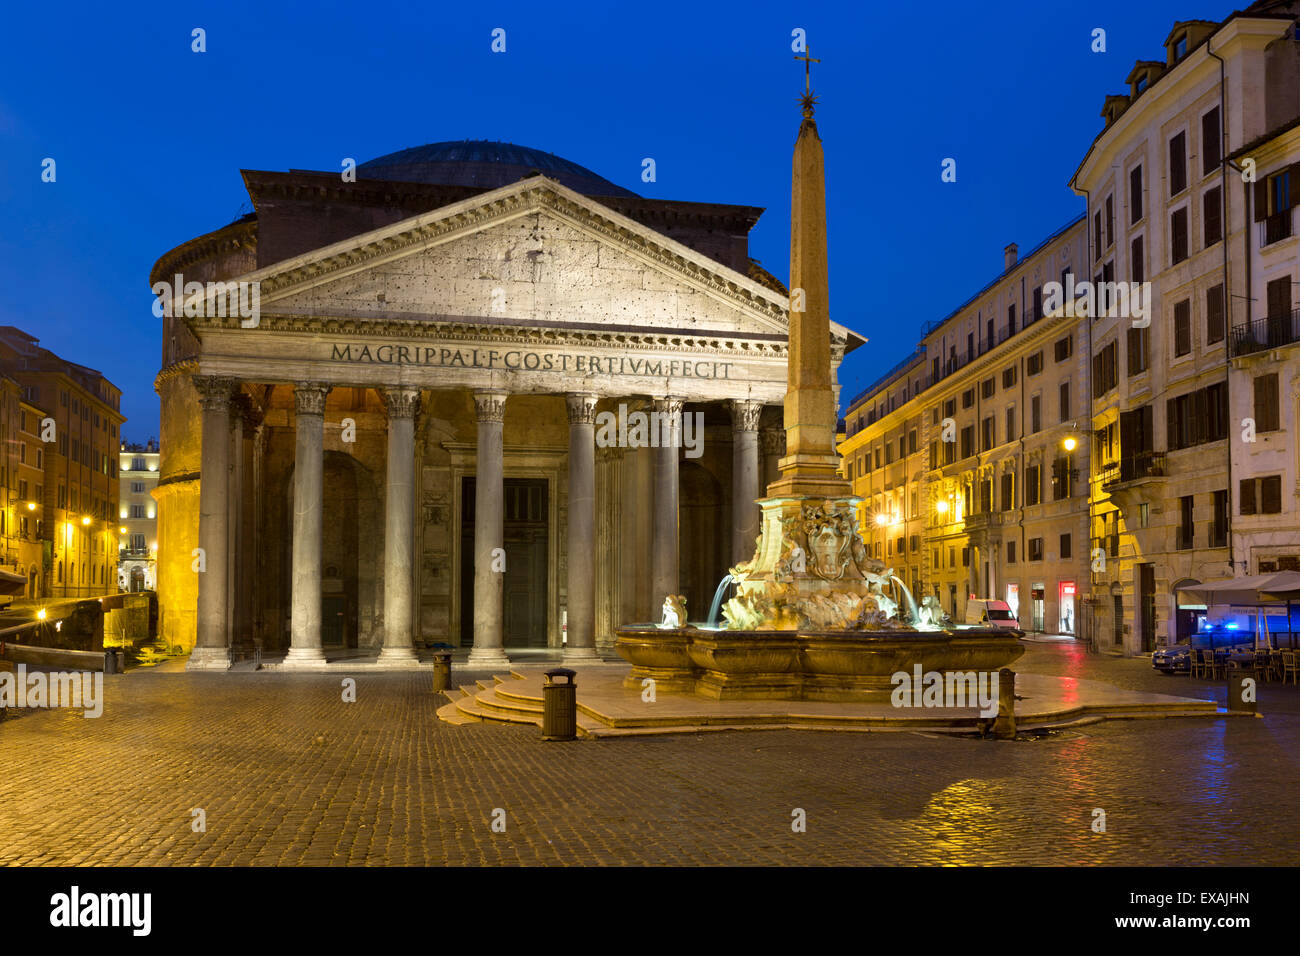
(333, 609)
(1037, 608)
(1065, 625)
(1147, 604)
(1117, 613)
(526, 535)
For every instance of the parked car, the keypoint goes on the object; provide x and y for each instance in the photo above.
(987, 613)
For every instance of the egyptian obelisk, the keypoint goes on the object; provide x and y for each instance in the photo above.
(810, 466)
(810, 568)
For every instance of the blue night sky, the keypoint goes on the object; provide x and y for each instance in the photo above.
(149, 137)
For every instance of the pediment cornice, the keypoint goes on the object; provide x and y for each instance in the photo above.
(529, 195)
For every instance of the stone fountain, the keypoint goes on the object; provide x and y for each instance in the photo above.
(812, 617)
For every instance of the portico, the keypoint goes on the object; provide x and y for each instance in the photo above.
(425, 451)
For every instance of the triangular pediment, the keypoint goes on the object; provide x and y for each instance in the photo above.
(533, 254)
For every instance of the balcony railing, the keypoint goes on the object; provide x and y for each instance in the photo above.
(1276, 227)
(1147, 464)
(1267, 333)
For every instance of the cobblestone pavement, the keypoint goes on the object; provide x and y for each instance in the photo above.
(289, 774)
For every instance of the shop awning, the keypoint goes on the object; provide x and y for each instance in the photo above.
(1275, 588)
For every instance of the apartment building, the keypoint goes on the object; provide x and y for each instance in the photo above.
(1264, 374)
(78, 511)
(22, 485)
(138, 516)
(1165, 207)
(971, 454)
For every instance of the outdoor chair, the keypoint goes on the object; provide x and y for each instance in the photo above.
(1214, 666)
(1289, 667)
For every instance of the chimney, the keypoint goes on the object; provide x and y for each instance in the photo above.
(1009, 256)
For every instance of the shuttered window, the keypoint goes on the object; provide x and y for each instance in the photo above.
(1177, 164)
(1178, 236)
(1182, 327)
(1267, 412)
(1213, 218)
(1214, 324)
(1211, 142)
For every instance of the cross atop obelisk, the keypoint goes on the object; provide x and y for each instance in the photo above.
(810, 466)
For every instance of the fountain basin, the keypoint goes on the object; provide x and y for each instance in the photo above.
(803, 665)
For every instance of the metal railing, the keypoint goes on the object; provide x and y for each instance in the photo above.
(1276, 227)
(1266, 333)
(1147, 464)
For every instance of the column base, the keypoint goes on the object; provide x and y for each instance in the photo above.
(209, 659)
(488, 657)
(304, 659)
(580, 654)
(398, 657)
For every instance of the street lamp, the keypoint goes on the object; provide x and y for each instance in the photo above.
(1069, 444)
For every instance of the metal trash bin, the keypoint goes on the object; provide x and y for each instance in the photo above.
(110, 661)
(559, 705)
(442, 667)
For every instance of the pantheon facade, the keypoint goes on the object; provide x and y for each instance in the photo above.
(399, 445)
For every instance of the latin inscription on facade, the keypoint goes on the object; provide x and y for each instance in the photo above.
(519, 360)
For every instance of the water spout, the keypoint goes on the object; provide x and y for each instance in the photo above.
(913, 612)
(716, 606)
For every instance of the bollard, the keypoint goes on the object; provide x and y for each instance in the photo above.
(559, 706)
(257, 657)
(441, 670)
(1241, 693)
(1004, 727)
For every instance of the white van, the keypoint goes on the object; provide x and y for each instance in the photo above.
(991, 614)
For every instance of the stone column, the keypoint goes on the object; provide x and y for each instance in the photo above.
(489, 533)
(211, 645)
(744, 479)
(235, 490)
(668, 430)
(773, 442)
(582, 527)
(308, 476)
(399, 527)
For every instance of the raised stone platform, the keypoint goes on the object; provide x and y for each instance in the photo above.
(606, 708)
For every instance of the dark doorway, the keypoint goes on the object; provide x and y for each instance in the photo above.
(333, 608)
(1118, 614)
(702, 538)
(1147, 604)
(526, 529)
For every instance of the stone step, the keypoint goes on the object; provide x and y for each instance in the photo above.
(451, 713)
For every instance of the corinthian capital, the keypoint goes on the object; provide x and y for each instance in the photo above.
(773, 441)
(670, 406)
(214, 391)
(581, 407)
(745, 415)
(309, 398)
(401, 402)
(490, 406)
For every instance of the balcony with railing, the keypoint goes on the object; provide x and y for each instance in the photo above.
(1276, 227)
(1147, 464)
(1270, 332)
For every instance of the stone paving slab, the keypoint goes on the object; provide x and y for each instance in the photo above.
(290, 775)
